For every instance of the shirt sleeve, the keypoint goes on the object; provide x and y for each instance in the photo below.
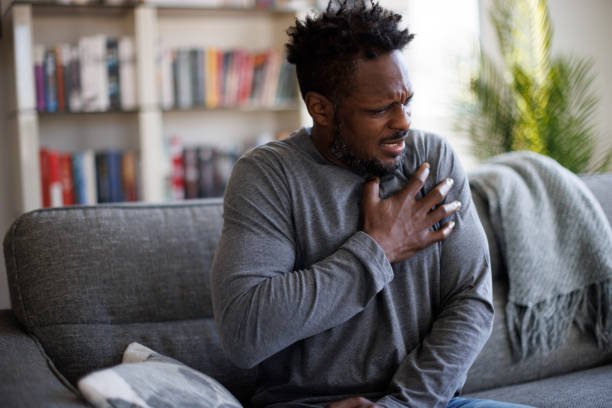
(436, 369)
(261, 303)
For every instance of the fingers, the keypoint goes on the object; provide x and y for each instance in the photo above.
(442, 212)
(443, 232)
(438, 194)
(416, 182)
(371, 191)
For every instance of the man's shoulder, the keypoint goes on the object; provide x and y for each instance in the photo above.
(285, 150)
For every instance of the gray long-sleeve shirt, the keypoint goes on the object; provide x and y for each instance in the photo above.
(301, 292)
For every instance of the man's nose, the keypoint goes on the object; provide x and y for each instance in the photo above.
(401, 119)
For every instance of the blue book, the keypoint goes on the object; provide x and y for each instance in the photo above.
(78, 176)
(113, 159)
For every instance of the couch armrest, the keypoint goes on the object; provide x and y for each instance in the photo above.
(27, 377)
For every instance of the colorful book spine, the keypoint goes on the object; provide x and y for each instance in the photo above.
(102, 179)
(55, 182)
(177, 166)
(113, 77)
(113, 160)
(75, 98)
(66, 177)
(39, 77)
(78, 178)
(128, 176)
(59, 78)
(190, 160)
(65, 51)
(206, 172)
(50, 81)
(44, 177)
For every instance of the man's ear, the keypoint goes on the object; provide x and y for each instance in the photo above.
(320, 108)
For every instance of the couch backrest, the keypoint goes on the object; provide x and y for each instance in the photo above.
(87, 281)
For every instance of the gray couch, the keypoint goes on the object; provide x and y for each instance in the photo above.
(87, 281)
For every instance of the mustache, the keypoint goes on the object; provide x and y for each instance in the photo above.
(396, 137)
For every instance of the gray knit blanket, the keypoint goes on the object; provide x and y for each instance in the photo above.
(557, 247)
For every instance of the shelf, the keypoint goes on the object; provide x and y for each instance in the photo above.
(244, 109)
(148, 127)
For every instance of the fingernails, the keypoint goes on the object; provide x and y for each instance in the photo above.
(456, 205)
(426, 164)
(450, 181)
(451, 224)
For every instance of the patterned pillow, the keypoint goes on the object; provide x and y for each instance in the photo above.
(149, 379)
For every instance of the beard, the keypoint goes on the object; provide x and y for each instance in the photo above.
(364, 166)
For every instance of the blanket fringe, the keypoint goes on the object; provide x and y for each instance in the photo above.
(543, 327)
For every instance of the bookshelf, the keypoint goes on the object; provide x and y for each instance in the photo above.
(147, 127)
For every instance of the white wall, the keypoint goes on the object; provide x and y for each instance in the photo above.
(580, 28)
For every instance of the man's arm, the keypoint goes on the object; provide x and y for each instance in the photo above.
(261, 304)
(432, 372)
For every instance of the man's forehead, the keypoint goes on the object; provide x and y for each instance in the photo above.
(382, 76)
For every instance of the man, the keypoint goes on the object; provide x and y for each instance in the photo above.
(345, 271)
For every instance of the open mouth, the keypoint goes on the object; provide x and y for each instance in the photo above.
(393, 147)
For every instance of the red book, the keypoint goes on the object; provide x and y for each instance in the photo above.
(44, 177)
(55, 184)
(178, 181)
(246, 79)
(66, 179)
(59, 74)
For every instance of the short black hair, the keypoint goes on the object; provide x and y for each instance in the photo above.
(324, 47)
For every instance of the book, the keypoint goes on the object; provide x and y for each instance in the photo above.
(74, 67)
(115, 184)
(177, 176)
(128, 176)
(99, 49)
(66, 177)
(50, 78)
(87, 75)
(196, 67)
(127, 73)
(190, 160)
(39, 77)
(44, 177)
(78, 179)
(102, 179)
(65, 51)
(113, 77)
(185, 99)
(59, 77)
(166, 78)
(206, 172)
(55, 183)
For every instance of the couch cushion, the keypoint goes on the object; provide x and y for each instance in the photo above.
(588, 388)
(87, 281)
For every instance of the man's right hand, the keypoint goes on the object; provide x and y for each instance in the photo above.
(401, 224)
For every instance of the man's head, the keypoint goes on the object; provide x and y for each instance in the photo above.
(355, 84)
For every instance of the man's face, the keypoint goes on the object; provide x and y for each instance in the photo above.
(371, 123)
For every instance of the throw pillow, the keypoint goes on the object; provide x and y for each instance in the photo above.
(149, 379)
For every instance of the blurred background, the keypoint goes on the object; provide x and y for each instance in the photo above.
(154, 100)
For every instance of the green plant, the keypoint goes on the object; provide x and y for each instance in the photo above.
(535, 102)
